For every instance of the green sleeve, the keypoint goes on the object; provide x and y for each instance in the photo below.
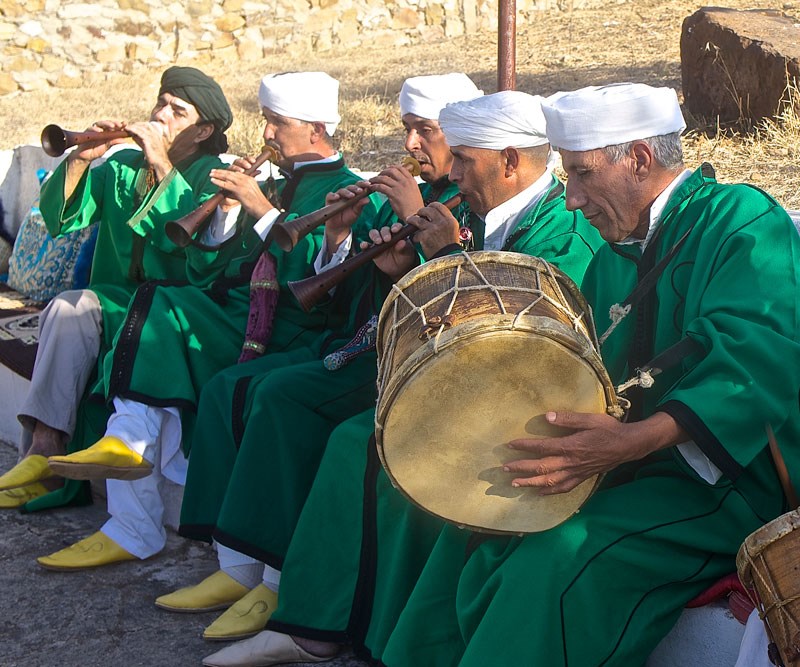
(84, 207)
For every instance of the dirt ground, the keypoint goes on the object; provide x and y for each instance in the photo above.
(627, 40)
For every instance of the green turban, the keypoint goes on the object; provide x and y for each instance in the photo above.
(200, 90)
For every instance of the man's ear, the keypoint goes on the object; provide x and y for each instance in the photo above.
(318, 131)
(642, 156)
(204, 131)
(511, 160)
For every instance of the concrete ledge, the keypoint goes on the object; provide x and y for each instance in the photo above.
(708, 636)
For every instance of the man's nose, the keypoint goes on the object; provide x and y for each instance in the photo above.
(575, 197)
(412, 141)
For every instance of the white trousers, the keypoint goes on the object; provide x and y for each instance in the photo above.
(246, 570)
(70, 330)
(137, 507)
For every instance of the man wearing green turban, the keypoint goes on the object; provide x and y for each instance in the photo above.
(131, 196)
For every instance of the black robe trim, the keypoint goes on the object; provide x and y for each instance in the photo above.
(707, 442)
(247, 548)
(201, 532)
(128, 344)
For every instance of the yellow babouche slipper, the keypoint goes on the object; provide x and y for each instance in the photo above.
(245, 618)
(108, 458)
(12, 498)
(94, 551)
(218, 591)
(31, 469)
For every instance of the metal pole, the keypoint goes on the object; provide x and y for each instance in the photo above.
(506, 44)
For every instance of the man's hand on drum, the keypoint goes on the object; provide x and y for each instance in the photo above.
(437, 228)
(599, 443)
(240, 188)
(399, 259)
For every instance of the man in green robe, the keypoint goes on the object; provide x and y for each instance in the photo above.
(263, 425)
(501, 165)
(187, 333)
(689, 475)
(130, 196)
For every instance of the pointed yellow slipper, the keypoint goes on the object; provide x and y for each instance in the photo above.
(108, 458)
(31, 469)
(93, 551)
(218, 591)
(12, 498)
(246, 618)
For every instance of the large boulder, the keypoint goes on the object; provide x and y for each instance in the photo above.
(735, 64)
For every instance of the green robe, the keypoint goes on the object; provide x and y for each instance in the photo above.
(131, 244)
(131, 249)
(606, 585)
(376, 542)
(197, 325)
(265, 424)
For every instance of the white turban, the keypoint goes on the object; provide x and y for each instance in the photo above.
(600, 116)
(497, 121)
(426, 96)
(309, 96)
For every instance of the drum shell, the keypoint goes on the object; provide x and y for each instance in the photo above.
(768, 565)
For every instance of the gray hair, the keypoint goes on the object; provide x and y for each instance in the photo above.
(667, 150)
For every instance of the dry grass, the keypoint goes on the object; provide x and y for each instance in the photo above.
(637, 40)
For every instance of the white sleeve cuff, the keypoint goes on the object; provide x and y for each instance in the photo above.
(222, 227)
(699, 462)
(337, 258)
(263, 226)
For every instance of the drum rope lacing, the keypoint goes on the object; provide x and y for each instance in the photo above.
(439, 324)
(763, 609)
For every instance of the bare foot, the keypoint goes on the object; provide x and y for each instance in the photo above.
(318, 648)
(47, 441)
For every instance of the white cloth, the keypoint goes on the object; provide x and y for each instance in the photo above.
(70, 328)
(753, 649)
(244, 569)
(507, 118)
(271, 578)
(309, 96)
(426, 96)
(599, 116)
(137, 507)
(502, 219)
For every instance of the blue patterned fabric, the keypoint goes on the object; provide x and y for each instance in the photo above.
(41, 267)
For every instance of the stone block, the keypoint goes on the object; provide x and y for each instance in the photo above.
(404, 19)
(137, 5)
(229, 22)
(37, 45)
(133, 28)
(229, 6)
(21, 64)
(7, 30)
(13, 8)
(113, 53)
(199, 8)
(52, 63)
(434, 14)
(7, 84)
(734, 64)
(249, 49)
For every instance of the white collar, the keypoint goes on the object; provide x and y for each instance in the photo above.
(657, 208)
(324, 160)
(501, 220)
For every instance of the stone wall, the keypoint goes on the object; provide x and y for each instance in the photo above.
(57, 42)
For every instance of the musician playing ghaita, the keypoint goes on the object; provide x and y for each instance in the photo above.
(502, 165)
(263, 425)
(129, 196)
(689, 475)
(176, 337)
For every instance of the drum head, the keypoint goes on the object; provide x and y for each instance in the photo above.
(442, 432)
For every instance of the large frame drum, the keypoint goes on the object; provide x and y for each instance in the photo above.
(473, 350)
(768, 564)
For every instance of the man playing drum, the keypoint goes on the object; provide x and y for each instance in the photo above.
(130, 196)
(176, 337)
(689, 474)
(500, 164)
(263, 425)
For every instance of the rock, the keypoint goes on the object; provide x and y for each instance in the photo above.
(405, 18)
(7, 84)
(734, 64)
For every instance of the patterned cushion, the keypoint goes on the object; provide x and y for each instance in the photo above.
(40, 266)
